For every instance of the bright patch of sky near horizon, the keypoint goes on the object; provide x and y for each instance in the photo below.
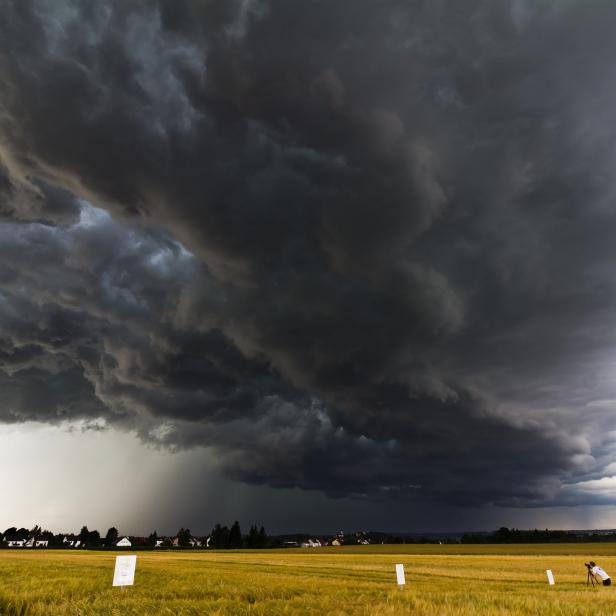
(146, 488)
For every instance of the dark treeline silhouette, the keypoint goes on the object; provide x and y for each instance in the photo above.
(224, 538)
(513, 535)
(231, 538)
(221, 538)
(409, 539)
(85, 537)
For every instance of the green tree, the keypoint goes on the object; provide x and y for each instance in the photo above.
(235, 536)
(503, 535)
(183, 537)
(220, 537)
(111, 538)
(263, 540)
(84, 535)
(153, 538)
(9, 533)
(252, 541)
(94, 538)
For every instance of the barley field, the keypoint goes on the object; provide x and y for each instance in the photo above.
(441, 579)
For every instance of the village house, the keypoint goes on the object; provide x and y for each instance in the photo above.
(124, 543)
(192, 542)
(71, 543)
(26, 543)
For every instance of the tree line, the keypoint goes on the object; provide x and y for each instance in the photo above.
(231, 538)
(513, 535)
(221, 538)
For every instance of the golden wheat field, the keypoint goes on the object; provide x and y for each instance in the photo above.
(444, 580)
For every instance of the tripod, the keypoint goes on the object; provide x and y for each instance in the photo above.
(591, 579)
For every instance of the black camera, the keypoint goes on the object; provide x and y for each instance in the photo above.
(590, 576)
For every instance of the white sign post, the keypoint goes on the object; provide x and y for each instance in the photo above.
(400, 575)
(124, 574)
(550, 577)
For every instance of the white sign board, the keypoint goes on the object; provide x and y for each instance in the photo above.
(550, 577)
(124, 574)
(400, 575)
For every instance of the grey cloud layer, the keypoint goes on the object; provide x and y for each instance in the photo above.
(400, 231)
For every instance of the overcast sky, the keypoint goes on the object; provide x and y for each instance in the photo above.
(308, 264)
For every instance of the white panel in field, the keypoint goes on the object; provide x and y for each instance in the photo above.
(550, 577)
(400, 575)
(124, 574)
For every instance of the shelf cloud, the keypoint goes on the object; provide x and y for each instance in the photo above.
(356, 247)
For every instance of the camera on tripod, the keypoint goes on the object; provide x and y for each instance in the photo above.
(593, 571)
(590, 576)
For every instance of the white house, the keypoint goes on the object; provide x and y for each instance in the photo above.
(41, 543)
(30, 542)
(312, 543)
(71, 543)
(16, 543)
(159, 543)
(124, 543)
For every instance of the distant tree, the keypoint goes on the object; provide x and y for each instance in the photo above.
(153, 538)
(503, 535)
(36, 531)
(263, 540)
(84, 535)
(219, 537)
(47, 535)
(167, 542)
(252, 541)
(183, 537)
(94, 539)
(58, 539)
(235, 536)
(111, 538)
(215, 537)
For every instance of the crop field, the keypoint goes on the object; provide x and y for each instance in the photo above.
(441, 579)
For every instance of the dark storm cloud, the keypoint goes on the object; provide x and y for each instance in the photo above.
(400, 225)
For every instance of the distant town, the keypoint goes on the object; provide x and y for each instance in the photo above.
(221, 538)
(232, 538)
